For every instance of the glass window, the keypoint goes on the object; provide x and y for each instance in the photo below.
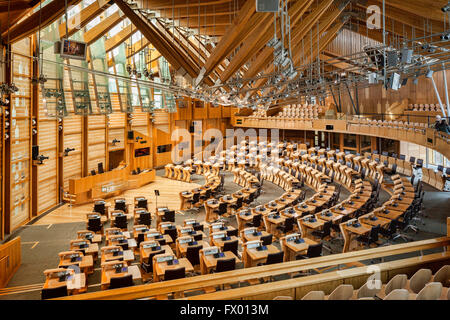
(365, 142)
(349, 140)
(93, 23)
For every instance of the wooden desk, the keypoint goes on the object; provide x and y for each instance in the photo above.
(334, 217)
(210, 206)
(209, 262)
(107, 275)
(253, 256)
(382, 222)
(272, 205)
(260, 210)
(164, 237)
(220, 243)
(290, 213)
(184, 197)
(182, 247)
(123, 255)
(391, 215)
(361, 230)
(91, 250)
(85, 263)
(345, 212)
(292, 249)
(316, 202)
(75, 282)
(252, 236)
(398, 207)
(146, 252)
(159, 268)
(96, 238)
(273, 223)
(304, 209)
(306, 225)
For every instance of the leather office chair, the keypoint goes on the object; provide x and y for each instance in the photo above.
(256, 222)
(173, 233)
(231, 233)
(372, 237)
(172, 274)
(274, 258)
(51, 293)
(121, 222)
(313, 251)
(148, 266)
(226, 265)
(238, 204)
(145, 218)
(266, 240)
(94, 224)
(169, 216)
(142, 203)
(231, 246)
(193, 254)
(194, 201)
(221, 210)
(121, 282)
(120, 205)
(100, 208)
(287, 226)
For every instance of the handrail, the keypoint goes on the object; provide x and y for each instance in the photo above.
(198, 282)
(319, 281)
(427, 137)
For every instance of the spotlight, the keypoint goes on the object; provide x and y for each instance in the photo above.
(429, 74)
(445, 36)
(446, 8)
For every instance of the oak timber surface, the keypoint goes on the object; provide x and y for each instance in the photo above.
(169, 196)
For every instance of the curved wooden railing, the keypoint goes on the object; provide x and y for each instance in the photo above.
(426, 137)
(242, 275)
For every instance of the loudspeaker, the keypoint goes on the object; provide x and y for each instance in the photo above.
(394, 81)
(93, 172)
(191, 128)
(329, 127)
(267, 5)
(406, 55)
(130, 135)
(404, 81)
(35, 152)
(156, 192)
(392, 58)
(100, 167)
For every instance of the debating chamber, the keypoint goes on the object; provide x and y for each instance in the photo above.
(224, 150)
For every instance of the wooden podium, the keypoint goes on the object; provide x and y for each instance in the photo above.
(137, 173)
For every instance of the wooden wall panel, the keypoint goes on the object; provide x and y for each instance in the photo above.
(47, 173)
(10, 260)
(96, 154)
(20, 137)
(72, 164)
(118, 134)
(117, 120)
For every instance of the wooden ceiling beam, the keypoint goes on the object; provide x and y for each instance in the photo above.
(428, 9)
(259, 37)
(242, 25)
(81, 19)
(103, 27)
(402, 17)
(12, 6)
(175, 4)
(159, 41)
(47, 15)
(118, 38)
(310, 20)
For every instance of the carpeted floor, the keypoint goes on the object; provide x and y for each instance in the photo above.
(42, 243)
